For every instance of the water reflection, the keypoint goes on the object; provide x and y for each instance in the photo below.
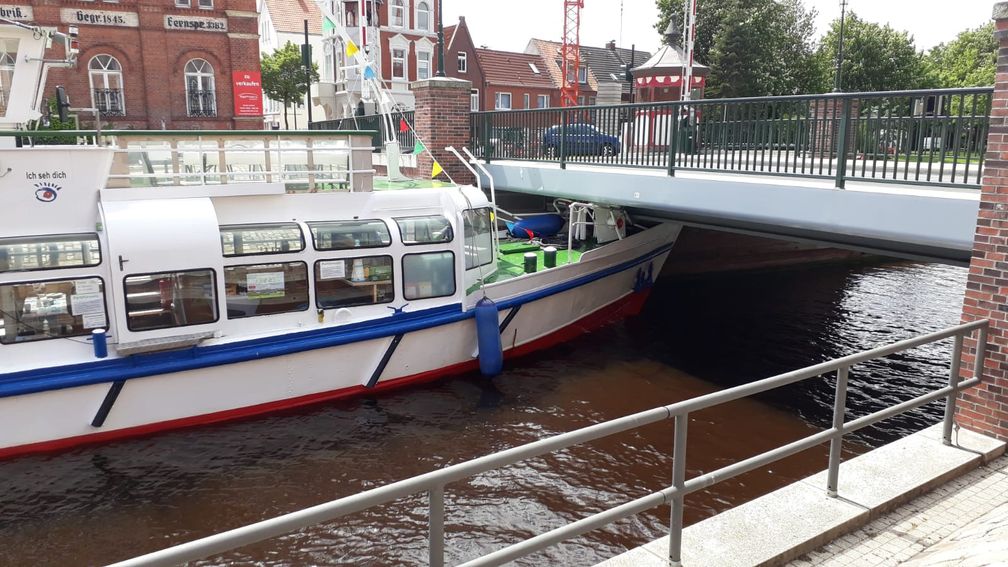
(98, 504)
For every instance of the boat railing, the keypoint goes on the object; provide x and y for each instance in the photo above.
(434, 483)
(301, 160)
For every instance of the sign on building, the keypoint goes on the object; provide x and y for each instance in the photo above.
(193, 23)
(248, 94)
(18, 13)
(99, 18)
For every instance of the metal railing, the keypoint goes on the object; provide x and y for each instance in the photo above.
(434, 483)
(201, 103)
(109, 102)
(935, 137)
(376, 123)
(301, 160)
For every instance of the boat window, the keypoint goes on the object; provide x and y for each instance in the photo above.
(252, 239)
(170, 299)
(347, 235)
(431, 274)
(265, 289)
(53, 252)
(350, 282)
(33, 311)
(478, 237)
(434, 229)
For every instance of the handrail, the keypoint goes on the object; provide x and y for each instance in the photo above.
(434, 482)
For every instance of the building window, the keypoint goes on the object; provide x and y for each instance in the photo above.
(199, 80)
(582, 74)
(349, 235)
(35, 311)
(397, 14)
(543, 101)
(351, 282)
(266, 289)
(423, 65)
(256, 239)
(8, 59)
(183, 3)
(398, 63)
(434, 229)
(427, 275)
(206, 4)
(170, 299)
(463, 63)
(423, 17)
(502, 101)
(25, 254)
(527, 98)
(474, 100)
(105, 74)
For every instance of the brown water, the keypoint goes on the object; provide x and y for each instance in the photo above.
(99, 504)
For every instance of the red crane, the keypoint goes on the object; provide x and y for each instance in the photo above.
(570, 52)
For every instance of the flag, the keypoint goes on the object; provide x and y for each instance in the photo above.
(436, 170)
(327, 25)
(403, 126)
(418, 148)
(351, 48)
(369, 72)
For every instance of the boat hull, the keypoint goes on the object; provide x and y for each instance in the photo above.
(536, 313)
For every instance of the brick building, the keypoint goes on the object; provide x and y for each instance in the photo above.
(461, 61)
(158, 63)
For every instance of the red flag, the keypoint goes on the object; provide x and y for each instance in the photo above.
(403, 126)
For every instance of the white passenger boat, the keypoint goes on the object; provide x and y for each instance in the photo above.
(155, 280)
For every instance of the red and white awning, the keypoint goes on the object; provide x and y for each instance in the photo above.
(667, 81)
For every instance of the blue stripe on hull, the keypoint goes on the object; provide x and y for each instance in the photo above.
(137, 366)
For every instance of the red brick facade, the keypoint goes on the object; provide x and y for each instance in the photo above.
(153, 40)
(985, 408)
(442, 120)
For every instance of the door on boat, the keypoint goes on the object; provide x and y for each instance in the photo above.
(166, 261)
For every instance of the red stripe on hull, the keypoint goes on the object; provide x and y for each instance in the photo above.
(626, 306)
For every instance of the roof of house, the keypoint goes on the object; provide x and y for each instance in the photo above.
(449, 35)
(289, 15)
(514, 69)
(610, 65)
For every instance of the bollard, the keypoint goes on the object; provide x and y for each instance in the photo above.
(100, 343)
(550, 256)
(531, 260)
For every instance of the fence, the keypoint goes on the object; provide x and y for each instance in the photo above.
(935, 137)
(379, 127)
(434, 483)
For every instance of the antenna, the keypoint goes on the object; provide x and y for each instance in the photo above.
(621, 22)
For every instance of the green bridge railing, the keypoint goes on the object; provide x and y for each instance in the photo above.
(932, 137)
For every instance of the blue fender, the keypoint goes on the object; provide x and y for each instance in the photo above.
(491, 353)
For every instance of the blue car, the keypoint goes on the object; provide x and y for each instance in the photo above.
(582, 139)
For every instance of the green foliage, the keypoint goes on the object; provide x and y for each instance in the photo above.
(55, 124)
(876, 58)
(284, 78)
(753, 47)
(968, 61)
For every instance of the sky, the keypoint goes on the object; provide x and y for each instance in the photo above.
(509, 25)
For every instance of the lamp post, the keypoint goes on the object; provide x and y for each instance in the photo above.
(838, 82)
(440, 40)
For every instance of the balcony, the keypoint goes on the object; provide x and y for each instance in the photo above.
(109, 102)
(201, 103)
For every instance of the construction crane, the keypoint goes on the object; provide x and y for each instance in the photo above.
(570, 52)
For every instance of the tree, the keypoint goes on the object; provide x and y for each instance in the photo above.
(969, 60)
(284, 78)
(876, 58)
(753, 47)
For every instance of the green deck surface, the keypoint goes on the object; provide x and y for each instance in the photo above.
(511, 261)
(385, 184)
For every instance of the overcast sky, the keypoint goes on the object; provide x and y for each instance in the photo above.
(509, 25)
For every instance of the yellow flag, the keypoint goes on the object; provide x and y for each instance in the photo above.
(436, 170)
(351, 48)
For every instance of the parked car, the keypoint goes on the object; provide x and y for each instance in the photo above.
(581, 139)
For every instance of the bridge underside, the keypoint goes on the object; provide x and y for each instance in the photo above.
(920, 223)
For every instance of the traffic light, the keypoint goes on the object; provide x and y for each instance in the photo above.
(62, 103)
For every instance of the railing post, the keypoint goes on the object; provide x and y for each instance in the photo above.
(563, 139)
(841, 153)
(679, 482)
(674, 142)
(436, 536)
(836, 443)
(486, 136)
(950, 401)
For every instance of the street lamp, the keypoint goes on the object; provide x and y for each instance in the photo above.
(440, 40)
(837, 85)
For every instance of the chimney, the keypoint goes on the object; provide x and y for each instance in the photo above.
(611, 46)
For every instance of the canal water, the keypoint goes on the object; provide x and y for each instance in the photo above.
(102, 503)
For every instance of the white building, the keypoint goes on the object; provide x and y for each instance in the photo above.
(281, 21)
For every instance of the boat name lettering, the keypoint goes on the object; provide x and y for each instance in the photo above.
(100, 18)
(45, 175)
